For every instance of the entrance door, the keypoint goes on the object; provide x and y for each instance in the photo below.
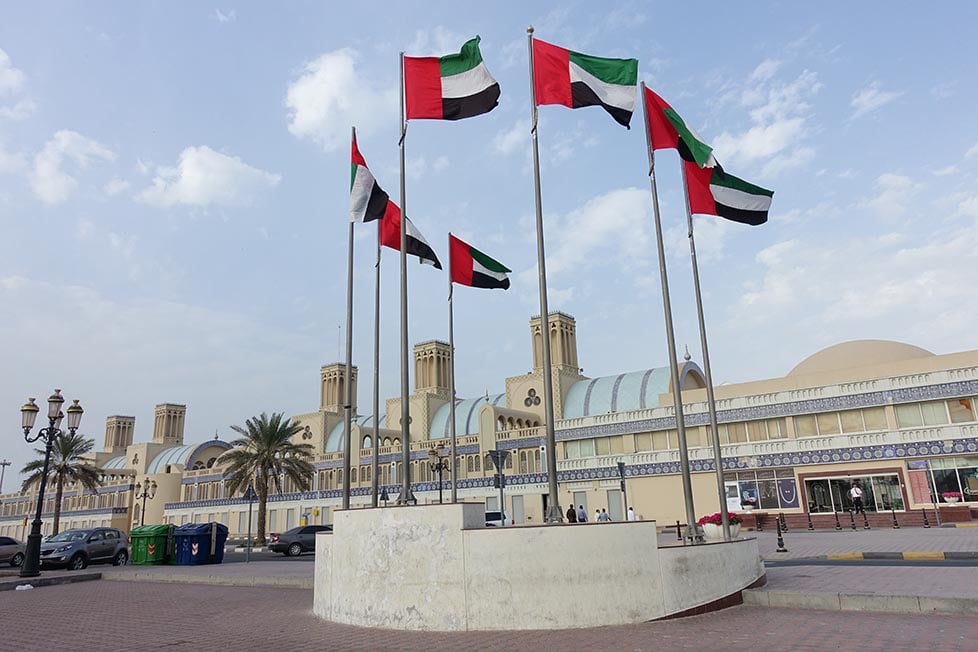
(518, 514)
(580, 498)
(614, 505)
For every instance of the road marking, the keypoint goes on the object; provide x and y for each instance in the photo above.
(845, 555)
(923, 554)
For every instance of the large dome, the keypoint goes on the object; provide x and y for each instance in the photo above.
(857, 353)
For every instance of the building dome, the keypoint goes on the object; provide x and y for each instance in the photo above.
(858, 353)
(636, 390)
(466, 416)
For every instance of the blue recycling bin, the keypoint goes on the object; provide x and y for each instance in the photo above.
(200, 543)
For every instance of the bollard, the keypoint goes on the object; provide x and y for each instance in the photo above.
(757, 522)
(838, 526)
(811, 528)
(896, 526)
(781, 547)
(679, 533)
(784, 524)
(924, 512)
(865, 521)
(852, 518)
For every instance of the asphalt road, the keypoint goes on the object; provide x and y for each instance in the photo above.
(942, 563)
(239, 557)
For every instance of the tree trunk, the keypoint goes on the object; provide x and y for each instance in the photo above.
(262, 501)
(60, 485)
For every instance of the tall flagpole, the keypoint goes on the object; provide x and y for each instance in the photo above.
(406, 497)
(717, 457)
(374, 481)
(348, 384)
(451, 372)
(554, 513)
(677, 397)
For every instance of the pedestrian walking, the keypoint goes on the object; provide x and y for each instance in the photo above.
(571, 514)
(604, 516)
(857, 499)
(597, 516)
(630, 516)
(581, 514)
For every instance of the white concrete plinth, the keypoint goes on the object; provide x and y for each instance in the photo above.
(436, 568)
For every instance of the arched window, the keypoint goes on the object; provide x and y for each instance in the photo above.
(211, 461)
(509, 462)
(367, 442)
(387, 441)
(469, 464)
(536, 461)
(397, 442)
(353, 474)
(478, 462)
(523, 464)
(198, 465)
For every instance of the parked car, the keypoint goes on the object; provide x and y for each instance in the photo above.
(298, 540)
(76, 549)
(11, 551)
(495, 519)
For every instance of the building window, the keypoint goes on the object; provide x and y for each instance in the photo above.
(961, 410)
(880, 493)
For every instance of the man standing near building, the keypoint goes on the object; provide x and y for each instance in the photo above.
(630, 516)
(571, 514)
(581, 514)
(857, 499)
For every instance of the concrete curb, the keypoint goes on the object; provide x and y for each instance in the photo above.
(905, 555)
(216, 580)
(12, 584)
(973, 524)
(861, 602)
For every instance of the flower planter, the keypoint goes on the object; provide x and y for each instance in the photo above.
(713, 532)
(951, 500)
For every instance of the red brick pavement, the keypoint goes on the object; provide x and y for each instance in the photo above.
(108, 616)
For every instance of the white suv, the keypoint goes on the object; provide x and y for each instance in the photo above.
(496, 519)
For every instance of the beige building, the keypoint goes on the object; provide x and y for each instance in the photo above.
(894, 418)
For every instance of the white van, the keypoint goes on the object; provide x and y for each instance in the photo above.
(496, 519)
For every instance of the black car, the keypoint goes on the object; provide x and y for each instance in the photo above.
(298, 540)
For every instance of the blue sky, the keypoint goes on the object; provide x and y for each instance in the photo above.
(174, 192)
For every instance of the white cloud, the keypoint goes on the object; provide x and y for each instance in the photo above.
(779, 113)
(115, 186)
(11, 86)
(330, 95)
(968, 206)
(870, 99)
(48, 180)
(895, 193)
(509, 140)
(441, 164)
(203, 177)
(945, 171)
(972, 151)
(435, 42)
(223, 17)
(10, 161)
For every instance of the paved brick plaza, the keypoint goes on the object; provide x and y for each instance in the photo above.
(127, 616)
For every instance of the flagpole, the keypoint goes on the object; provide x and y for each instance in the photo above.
(691, 532)
(710, 399)
(374, 481)
(554, 513)
(406, 497)
(348, 384)
(451, 372)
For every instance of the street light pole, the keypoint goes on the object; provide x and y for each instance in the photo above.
(32, 559)
(3, 467)
(438, 465)
(148, 491)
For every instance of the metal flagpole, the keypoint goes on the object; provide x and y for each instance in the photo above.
(677, 398)
(554, 513)
(374, 482)
(717, 457)
(451, 372)
(406, 497)
(348, 385)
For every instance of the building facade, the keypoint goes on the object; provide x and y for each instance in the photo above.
(895, 419)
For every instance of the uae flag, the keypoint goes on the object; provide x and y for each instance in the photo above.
(367, 201)
(390, 236)
(669, 131)
(715, 192)
(471, 267)
(576, 80)
(453, 87)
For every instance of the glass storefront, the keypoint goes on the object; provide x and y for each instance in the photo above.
(950, 474)
(769, 489)
(880, 493)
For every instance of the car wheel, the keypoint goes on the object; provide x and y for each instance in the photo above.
(295, 550)
(120, 558)
(78, 562)
(17, 560)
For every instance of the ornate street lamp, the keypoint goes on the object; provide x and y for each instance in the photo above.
(143, 491)
(32, 560)
(438, 464)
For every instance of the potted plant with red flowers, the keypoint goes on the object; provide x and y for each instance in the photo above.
(713, 526)
(951, 497)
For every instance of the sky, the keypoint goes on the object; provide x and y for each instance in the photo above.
(174, 195)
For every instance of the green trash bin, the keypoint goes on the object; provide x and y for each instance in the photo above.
(150, 544)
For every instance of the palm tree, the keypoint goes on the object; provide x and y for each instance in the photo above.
(68, 464)
(264, 454)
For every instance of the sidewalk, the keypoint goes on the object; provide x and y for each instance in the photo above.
(275, 574)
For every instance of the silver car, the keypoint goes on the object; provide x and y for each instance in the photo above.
(11, 551)
(76, 549)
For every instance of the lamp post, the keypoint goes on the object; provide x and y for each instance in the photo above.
(3, 467)
(143, 491)
(438, 464)
(32, 559)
